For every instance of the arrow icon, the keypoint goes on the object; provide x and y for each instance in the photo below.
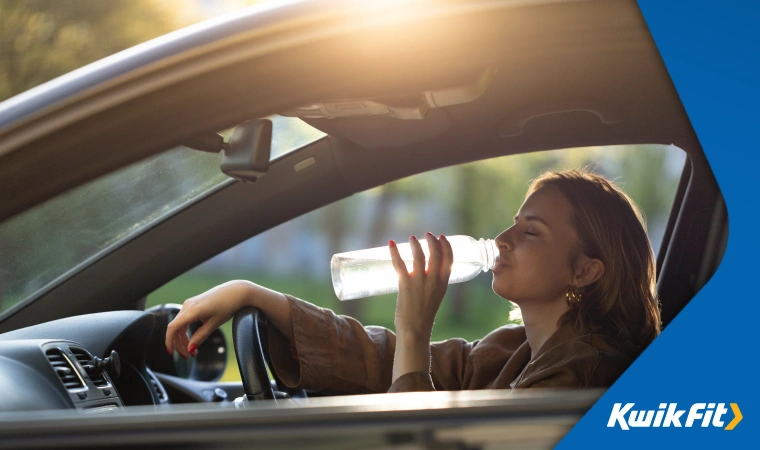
(737, 417)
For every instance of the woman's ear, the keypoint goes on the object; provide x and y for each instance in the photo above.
(588, 270)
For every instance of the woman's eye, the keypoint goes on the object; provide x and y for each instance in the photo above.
(530, 233)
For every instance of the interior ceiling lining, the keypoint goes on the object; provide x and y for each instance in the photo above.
(342, 69)
(633, 88)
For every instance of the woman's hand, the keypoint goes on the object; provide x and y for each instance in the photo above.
(421, 291)
(216, 306)
(213, 307)
(419, 297)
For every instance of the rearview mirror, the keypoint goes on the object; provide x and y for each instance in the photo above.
(246, 155)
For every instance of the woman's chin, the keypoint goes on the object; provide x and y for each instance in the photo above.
(498, 289)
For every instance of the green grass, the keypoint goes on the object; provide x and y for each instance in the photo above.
(483, 312)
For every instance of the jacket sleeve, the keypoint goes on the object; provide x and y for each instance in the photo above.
(412, 382)
(332, 353)
(336, 354)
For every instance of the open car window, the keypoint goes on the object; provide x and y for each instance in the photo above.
(46, 244)
(477, 199)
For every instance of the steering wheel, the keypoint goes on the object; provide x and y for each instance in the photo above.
(249, 335)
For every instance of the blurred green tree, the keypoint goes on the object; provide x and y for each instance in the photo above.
(42, 39)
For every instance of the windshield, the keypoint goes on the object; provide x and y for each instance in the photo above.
(46, 244)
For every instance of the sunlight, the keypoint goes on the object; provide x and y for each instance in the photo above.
(515, 314)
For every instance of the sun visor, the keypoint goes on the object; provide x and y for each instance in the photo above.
(391, 121)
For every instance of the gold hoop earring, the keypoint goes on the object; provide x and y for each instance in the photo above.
(572, 297)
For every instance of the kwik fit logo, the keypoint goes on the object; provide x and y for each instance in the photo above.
(669, 415)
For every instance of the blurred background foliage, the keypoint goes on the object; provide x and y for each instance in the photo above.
(43, 39)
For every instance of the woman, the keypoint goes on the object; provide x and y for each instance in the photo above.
(577, 261)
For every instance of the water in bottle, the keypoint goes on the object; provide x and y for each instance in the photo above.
(364, 273)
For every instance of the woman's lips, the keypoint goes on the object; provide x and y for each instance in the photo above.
(501, 264)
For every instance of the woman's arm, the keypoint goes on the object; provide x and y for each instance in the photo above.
(217, 305)
(419, 297)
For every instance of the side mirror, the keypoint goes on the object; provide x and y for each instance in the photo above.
(246, 155)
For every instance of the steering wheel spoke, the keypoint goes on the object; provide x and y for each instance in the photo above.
(249, 334)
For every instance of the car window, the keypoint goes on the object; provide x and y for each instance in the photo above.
(477, 199)
(48, 243)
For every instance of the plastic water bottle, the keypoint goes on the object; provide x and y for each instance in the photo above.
(364, 273)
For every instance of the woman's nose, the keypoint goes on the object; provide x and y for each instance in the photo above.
(503, 240)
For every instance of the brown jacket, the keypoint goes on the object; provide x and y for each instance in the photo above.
(336, 354)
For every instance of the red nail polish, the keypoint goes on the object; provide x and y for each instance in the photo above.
(168, 352)
(429, 233)
(391, 244)
(413, 237)
(192, 348)
(183, 356)
(443, 237)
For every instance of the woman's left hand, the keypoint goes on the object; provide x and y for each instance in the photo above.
(419, 296)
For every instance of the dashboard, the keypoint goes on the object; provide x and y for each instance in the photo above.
(101, 363)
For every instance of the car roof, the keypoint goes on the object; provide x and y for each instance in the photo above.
(272, 58)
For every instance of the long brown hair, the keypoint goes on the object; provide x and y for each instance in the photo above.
(610, 226)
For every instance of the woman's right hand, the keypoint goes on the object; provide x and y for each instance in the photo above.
(213, 308)
(419, 297)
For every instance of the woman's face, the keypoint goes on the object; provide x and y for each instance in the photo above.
(534, 254)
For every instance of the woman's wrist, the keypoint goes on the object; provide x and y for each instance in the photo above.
(412, 353)
(274, 305)
(413, 336)
(243, 293)
(415, 331)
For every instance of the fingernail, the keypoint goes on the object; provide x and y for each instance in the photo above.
(413, 238)
(183, 356)
(391, 244)
(429, 233)
(168, 352)
(192, 348)
(443, 237)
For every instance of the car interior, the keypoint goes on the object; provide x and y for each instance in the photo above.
(391, 97)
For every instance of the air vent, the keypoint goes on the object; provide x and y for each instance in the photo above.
(156, 388)
(64, 369)
(85, 359)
